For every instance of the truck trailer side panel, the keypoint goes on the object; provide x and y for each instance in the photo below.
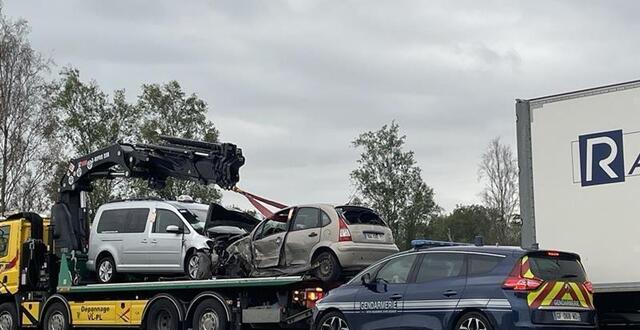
(579, 158)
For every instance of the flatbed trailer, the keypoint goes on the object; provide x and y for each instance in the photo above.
(277, 302)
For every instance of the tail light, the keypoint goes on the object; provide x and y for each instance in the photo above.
(517, 282)
(308, 297)
(589, 286)
(344, 235)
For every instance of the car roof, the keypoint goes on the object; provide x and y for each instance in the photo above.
(188, 205)
(479, 249)
(151, 203)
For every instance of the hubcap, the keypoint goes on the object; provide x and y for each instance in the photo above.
(6, 321)
(164, 321)
(209, 321)
(334, 323)
(57, 321)
(193, 266)
(473, 323)
(325, 266)
(105, 271)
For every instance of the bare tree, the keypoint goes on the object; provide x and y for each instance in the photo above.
(26, 156)
(499, 170)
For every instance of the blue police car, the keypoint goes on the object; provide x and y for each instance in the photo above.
(465, 288)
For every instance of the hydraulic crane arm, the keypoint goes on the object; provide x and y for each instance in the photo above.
(203, 162)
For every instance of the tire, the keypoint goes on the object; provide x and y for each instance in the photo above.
(106, 270)
(328, 269)
(198, 266)
(56, 317)
(8, 316)
(162, 315)
(332, 321)
(473, 321)
(210, 315)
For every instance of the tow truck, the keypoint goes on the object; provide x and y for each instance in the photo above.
(43, 282)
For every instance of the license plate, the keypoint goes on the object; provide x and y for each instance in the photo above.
(566, 316)
(373, 236)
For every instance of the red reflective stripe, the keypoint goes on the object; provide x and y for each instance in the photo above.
(547, 289)
(585, 293)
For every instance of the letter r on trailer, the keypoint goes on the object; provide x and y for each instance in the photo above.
(601, 158)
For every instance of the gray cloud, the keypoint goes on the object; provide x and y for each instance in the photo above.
(293, 82)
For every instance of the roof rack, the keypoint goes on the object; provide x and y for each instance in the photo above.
(136, 199)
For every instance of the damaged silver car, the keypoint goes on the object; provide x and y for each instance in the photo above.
(321, 239)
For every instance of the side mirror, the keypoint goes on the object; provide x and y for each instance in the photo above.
(174, 229)
(366, 279)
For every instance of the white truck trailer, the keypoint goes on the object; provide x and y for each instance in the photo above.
(579, 159)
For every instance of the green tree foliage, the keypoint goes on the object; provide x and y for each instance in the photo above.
(390, 182)
(464, 224)
(27, 146)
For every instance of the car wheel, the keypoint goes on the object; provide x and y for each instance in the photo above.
(198, 266)
(473, 321)
(56, 317)
(209, 315)
(328, 268)
(8, 316)
(106, 269)
(332, 321)
(193, 264)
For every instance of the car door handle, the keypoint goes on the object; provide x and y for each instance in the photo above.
(154, 241)
(144, 241)
(278, 240)
(450, 293)
(314, 234)
(396, 296)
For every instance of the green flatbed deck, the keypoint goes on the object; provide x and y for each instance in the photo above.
(184, 284)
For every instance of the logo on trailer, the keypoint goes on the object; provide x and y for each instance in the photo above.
(602, 157)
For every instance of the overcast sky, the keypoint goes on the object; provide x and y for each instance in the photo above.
(293, 82)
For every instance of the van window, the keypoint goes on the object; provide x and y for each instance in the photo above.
(136, 221)
(123, 221)
(436, 266)
(481, 264)
(360, 216)
(166, 218)
(558, 267)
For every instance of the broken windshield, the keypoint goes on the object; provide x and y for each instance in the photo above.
(196, 218)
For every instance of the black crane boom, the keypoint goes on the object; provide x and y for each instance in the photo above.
(184, 159)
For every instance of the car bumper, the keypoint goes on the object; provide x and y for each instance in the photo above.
(360, 255)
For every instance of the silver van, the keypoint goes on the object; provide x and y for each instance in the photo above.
(147, 237)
